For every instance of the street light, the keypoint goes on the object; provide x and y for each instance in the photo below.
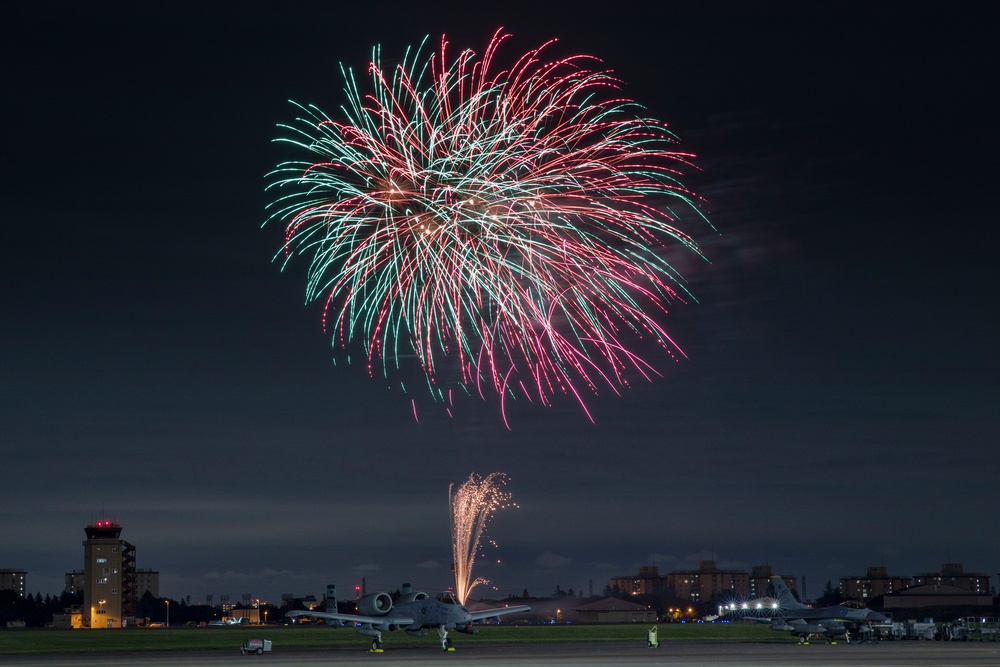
(168, 611)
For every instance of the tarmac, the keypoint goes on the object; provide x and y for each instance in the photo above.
(583, 654)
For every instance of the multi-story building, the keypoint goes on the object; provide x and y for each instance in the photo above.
(647, 582)
(147, 581)
(109, 576)
(74, 582)
(954, 574)
(14, 580)
(700, 585)
(875, 584)
(708, 581)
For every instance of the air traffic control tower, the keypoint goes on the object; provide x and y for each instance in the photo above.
(109, 577)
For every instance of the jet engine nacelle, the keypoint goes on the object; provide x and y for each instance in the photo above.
(375, 604)
(412, 597)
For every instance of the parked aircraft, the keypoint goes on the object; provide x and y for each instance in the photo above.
(414, 612)
(836, 622)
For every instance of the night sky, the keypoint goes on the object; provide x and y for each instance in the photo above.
(838, 407)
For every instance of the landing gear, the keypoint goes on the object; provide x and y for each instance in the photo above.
(803, 639)
(445, 642)
(377, 643)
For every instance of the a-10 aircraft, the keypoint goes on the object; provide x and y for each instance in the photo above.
(836, 622)
(414, 612)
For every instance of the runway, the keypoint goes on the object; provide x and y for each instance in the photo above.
(585, 654)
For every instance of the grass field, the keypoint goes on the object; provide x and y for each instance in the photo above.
(28, 641)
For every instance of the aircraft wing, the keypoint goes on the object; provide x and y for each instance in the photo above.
(817, 626)
(759, 619)
(388, 619)
(499, 611)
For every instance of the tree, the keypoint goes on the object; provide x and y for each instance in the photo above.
(151, 608)
(67, 599)
(831, 596)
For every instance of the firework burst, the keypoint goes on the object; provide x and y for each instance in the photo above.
(511, 228)
(472, 506)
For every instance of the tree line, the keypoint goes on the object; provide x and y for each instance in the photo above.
(35, 611)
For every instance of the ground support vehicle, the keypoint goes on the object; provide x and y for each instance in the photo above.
(913, 630)
(255, 647)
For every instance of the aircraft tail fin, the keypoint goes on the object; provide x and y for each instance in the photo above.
(784, 596)
(331, 602)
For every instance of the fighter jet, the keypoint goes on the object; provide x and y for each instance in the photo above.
(837, 622)
(414, 612)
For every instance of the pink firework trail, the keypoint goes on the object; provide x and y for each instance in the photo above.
(472, 507)
(510, 228)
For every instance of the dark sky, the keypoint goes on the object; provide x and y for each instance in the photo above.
(838, 409)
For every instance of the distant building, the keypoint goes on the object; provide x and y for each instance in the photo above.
(248, 614)
(936, 595)
(613, 610)
(147, 581)
(707, 581)
(74, 582)
(70, 619)
(647, 582)
(109, 576)
(874, 584)
(954, 574)
(14, 580)
(699, 585)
